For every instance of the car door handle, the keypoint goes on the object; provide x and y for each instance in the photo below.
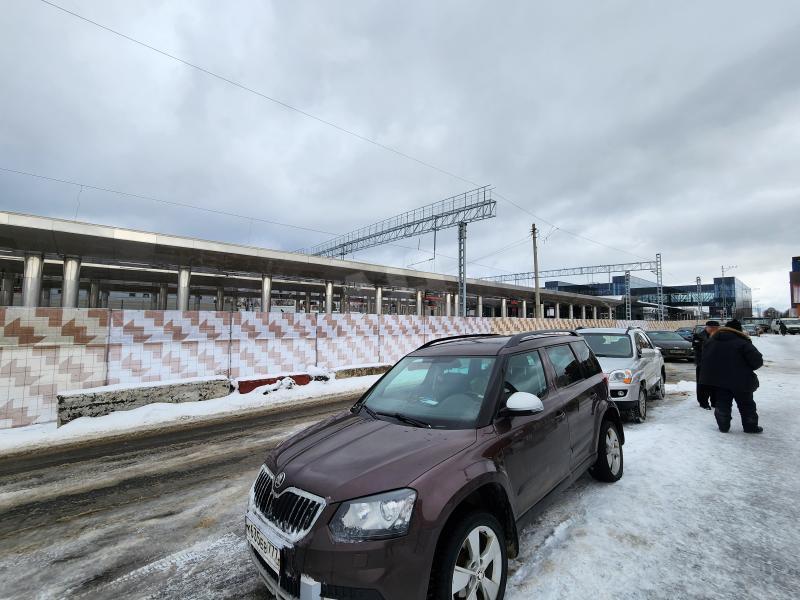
(561, 415)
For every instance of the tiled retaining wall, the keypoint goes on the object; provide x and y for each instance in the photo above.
(45, 350)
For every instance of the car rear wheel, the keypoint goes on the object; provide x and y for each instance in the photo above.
(473, 562)
(639, 412)
(609, 464)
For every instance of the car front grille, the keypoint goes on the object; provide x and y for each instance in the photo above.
(292, 511)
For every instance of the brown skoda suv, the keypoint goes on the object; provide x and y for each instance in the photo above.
(420, 489)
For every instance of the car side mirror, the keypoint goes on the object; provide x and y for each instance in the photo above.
(649, 352)
(524, 402)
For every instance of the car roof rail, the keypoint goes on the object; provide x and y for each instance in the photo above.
(518, 338)
(457, 337)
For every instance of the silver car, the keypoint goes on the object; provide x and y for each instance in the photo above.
(635, 368)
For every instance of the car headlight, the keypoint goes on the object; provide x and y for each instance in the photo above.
(381, 516)
(625, 376)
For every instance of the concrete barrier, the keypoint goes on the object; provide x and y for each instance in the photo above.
(99, 401)
(361, 371)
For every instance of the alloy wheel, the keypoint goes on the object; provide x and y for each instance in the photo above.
(478, 570)
(613, 451)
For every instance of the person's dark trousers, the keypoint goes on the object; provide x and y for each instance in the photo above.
(704, 392)
(724, 404)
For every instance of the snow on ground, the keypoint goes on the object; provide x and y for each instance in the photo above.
(162, 414)
(697, 514)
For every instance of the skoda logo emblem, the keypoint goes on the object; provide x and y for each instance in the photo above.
(279, 479)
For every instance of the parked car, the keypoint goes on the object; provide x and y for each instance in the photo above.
(634, 367)
(792, 325)
(421, 489)
(752, 330)
(672, 345)
(686, 333)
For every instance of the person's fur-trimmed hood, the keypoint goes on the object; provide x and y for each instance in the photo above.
(741, 334)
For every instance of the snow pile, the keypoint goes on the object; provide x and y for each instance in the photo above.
(681, 387)
(163, 414)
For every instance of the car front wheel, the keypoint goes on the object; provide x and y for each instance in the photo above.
(639, 412)
(609, 464)
(473, 562)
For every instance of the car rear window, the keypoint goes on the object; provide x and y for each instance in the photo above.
(664, 336)
(610, 345)
(589, 363)
(567, 367)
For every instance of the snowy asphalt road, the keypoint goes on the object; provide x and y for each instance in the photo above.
(698, 514)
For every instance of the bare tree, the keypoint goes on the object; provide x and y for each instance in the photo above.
(771, 313)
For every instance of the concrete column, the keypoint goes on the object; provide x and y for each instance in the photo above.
(71, 282)
(32, 280)
(594, 312)
(456, 306)
(479, 309)
(608, 308)
(524, 309)
(571, 312)
(45, 297)
(266, 293)
(308, 302)
(153, 300)
(220, 297)
(7, 290)
(163, 296)
(419, 303)
(184, 276)
(583, 312)
(328, 297)
(558, 310)
(104, 299)
(94, 294)
(378, 300)
(448, 298)
(503, 307)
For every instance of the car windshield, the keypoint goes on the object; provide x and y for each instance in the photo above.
(791, 322)
(611, 345)
(664, 336)
(435, 391)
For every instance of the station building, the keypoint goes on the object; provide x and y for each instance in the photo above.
(724, 298)
(794, 286)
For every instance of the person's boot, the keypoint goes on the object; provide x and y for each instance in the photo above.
(704, 404)
(723, 421)
(756, 429)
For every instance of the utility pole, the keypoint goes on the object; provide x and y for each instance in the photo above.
(725, 291)
(537, 296)
(699, 298)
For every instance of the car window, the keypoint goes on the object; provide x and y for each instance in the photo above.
(642, 342)
(445, 391)
(567, 367)
(612, 345)
(589, 363)
(525, 373)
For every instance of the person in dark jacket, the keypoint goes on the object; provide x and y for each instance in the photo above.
(782, 327)
(698, 342)
(729, 363)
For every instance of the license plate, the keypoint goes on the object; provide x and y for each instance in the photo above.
(268, 551)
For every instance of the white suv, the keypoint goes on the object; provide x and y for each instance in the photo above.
(634, 367)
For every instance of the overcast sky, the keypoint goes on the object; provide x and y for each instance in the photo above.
(647, 126)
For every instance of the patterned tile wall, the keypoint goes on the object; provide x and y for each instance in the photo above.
(48, 350)
(45, 350)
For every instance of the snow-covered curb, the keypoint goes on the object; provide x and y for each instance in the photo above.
(118, 387)
(161, 415)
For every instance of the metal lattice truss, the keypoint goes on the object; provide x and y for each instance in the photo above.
(593, 270)
(653, 266)
(474, 205)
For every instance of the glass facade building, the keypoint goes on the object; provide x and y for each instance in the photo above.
(725, 298)
(794, 286)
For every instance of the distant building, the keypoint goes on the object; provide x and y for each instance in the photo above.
(794, 286)
(726, 297)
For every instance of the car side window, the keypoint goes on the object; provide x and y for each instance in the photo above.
(525, 373)
(589, 363)
(566, 366)
(642, 342)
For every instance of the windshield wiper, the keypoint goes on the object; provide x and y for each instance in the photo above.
(405, 419)
(370, 412)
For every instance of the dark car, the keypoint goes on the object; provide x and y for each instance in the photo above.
(672, 345)
(420, 490)
(686, 333)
